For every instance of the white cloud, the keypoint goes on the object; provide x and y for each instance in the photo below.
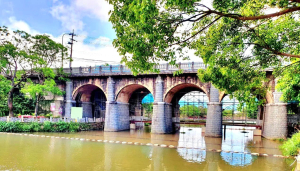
(15, 24)
(98, 49)
(99, 8)
(71, 15)
(68, 16)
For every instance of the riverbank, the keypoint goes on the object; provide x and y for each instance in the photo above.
(48, 126)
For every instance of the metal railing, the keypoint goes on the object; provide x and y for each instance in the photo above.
(122, 69)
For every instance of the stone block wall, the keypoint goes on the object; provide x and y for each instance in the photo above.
(123, 116)
(275, 124)
(169, 121)
(214, 120)
(162, 118)
(117, 116)
(87, 110)
(214, 115)
(111, 116)
(68, 104)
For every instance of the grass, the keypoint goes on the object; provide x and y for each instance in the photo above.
(291, 146)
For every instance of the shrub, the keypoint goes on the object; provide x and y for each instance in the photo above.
(2, 126)
(48, 115)
(84, 126)
(291, 146)
(62, 126)
(10, 127)
(47, 127)
(26, 128)
(35, 127)
(73, 127)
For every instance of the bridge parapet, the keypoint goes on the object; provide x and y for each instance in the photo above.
(190, 67)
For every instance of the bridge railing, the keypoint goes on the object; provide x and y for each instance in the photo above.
(121, 69)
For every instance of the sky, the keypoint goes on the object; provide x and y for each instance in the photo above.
(88, 19)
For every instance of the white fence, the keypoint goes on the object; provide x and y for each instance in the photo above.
(51, 119)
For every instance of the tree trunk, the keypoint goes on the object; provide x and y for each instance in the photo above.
(36, 106)
(10, 103)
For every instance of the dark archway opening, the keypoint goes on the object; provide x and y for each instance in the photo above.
(92, 100)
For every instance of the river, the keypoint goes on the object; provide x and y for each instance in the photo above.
(141, 150)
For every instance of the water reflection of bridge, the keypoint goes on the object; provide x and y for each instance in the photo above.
(195, 148)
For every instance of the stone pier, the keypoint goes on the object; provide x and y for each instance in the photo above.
(162, 112)
(68, 106)
(275, 119)
(117, 114)
(214, 115)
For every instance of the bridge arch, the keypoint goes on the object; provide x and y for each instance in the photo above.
(124, 93)
(92, 99)
(188, 98)
(171, 92)
(134, 96)
(87, 88)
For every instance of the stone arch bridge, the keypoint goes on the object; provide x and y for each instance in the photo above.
(114, 89)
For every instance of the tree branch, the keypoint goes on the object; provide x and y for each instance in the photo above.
(197, 32)
(259, 17)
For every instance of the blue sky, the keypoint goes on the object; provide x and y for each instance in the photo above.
(47, 16)
(89, 19)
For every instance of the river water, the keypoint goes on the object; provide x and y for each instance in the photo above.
(84, 151)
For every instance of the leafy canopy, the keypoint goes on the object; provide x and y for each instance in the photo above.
(239, 40)
(23, 57)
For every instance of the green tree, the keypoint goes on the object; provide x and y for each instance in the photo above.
(22, 105)
(21, 58)
(203, 110)
(190, 110)
(239, 40)
(15, 60)
(48, 51)
(148, 108)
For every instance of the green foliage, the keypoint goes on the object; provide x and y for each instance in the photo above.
(148, 108)
(191, 110)
(236, 39)
(35, 127)
(49, 115)
(84, 126)
(44, 127)
(291, 146)
(22, 55)
(62, 126)
(73, 127)
(227, 112)
(47, 127)
(4, 87)
(22, 105)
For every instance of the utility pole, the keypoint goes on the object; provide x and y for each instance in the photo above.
(71, 43)
(62, 52)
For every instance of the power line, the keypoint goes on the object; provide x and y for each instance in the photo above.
(94, 60)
